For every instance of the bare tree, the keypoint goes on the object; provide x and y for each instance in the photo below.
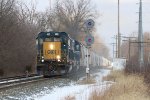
(70, 16)
(18, 29)
(19, 25)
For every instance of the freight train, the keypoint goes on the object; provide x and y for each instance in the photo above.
(58, 54)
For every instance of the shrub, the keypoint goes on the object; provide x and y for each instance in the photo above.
(1, 72)
(29, 68)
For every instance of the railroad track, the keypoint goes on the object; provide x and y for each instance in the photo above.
(13, 81)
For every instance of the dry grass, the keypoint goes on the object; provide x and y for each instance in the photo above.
(127, 87)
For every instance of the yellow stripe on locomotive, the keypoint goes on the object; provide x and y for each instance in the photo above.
(52, 50)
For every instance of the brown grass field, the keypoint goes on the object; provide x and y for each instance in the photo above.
(126, 87)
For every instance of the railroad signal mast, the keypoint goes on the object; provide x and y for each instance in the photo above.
(89, 39)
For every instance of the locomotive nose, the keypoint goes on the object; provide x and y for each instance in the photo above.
(52, 50)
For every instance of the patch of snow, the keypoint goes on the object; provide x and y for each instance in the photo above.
(80, 92)
(118, 64)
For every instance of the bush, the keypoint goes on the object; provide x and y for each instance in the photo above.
(29, 68)
(1, 72)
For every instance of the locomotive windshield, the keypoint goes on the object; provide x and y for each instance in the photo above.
(57, 39)
(49, 39)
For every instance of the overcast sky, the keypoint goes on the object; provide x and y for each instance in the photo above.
(106, 24)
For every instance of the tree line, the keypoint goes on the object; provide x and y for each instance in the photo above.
(20, 24)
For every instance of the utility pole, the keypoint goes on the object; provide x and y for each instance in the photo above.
(140, 39)
(119, 37)
(113, 45)
(129, 48)
(113, 50)
(116, 46)
(116, 40)
(50, 5)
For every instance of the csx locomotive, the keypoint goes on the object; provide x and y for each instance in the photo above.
(58, 53)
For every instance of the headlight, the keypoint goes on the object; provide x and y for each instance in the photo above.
(58, 57)
(51, 46)
(42, 60)
(42, 57)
